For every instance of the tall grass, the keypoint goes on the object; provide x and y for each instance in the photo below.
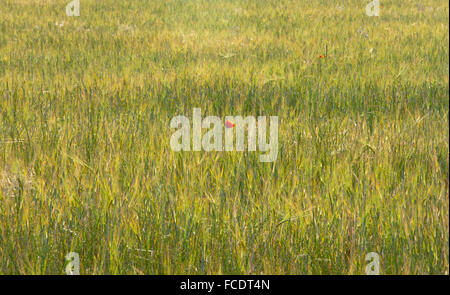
(86, 165)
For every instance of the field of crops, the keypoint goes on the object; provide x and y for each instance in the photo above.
(363, 147)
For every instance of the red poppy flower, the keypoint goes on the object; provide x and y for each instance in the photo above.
(229, 124)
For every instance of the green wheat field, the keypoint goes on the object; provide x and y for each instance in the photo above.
(86, 165)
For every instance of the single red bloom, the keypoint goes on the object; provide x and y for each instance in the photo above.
(229, 124)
